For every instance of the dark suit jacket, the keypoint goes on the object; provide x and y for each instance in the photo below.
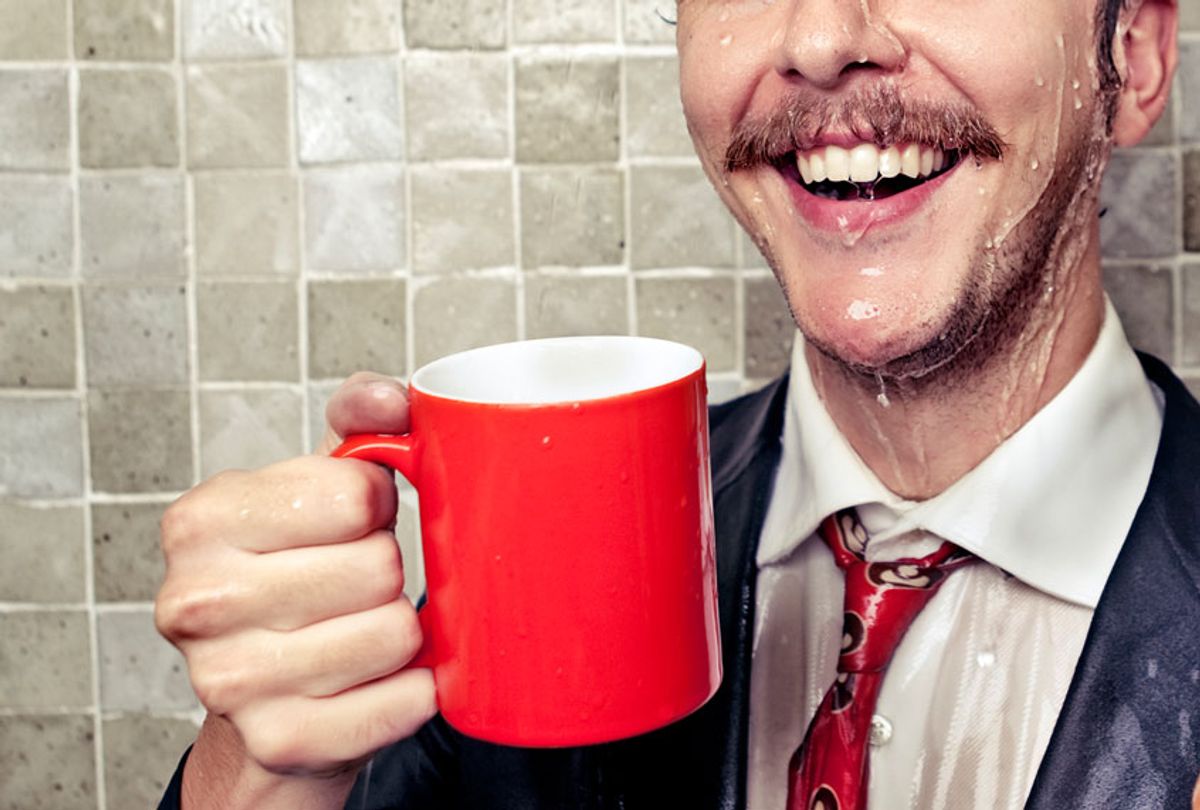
(1128, 735)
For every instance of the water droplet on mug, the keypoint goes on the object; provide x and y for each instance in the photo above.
(545, 441)
(558, 672)
(577, 408)
(624, 476)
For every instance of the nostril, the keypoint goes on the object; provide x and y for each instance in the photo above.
(860, 64)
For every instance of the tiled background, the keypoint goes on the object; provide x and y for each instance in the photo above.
(211, 210)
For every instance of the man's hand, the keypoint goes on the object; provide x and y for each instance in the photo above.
(284, 591)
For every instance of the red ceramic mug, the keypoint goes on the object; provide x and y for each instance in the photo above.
(566, 521)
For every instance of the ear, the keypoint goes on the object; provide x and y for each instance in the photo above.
(1145, 47)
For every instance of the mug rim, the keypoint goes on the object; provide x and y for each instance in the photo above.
(688, 359)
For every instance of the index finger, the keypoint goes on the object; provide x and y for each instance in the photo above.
(365, 403)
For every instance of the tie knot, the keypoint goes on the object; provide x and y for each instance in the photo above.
(882, 598)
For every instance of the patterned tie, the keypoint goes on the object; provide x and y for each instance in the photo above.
(829, 769)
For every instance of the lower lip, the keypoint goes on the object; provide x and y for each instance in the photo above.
(856, 216)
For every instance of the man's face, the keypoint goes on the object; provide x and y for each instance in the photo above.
(914, 170)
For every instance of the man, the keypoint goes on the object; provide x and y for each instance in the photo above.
(923, 178)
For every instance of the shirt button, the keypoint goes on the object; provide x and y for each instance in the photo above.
(881, 730)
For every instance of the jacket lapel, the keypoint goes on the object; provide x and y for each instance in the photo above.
(1129, 730)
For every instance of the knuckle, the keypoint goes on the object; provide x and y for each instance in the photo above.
(220, 689)
(278, 745)
(185, 614)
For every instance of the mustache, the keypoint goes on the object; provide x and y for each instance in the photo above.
(879, 115)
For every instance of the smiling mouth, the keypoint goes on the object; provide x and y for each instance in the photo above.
(866, 171)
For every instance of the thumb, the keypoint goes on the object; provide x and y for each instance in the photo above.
(365, 403)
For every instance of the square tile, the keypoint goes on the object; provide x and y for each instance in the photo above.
(139, 670)
(33, 29)
(649, 21)
(356, 325)
(770, 330)
(678, 220)
(43, 555)
(1144, 298)
(567, 109)
(1189, 16)
(457, 24)
(234, 29)
(127, 119)
(140, 755)
(128, 563)
(572, 217)
(248, 330)
(355, 219)
(1191, 200)
(35, 130)
(133, 226)
(47, 758)
(135, 335)
(654, 115)
(335, 27)
(37, 337)
(558, 304)
(1191, 314)
(248, 429)
(246, 224)
(454, 314)
(237, 116)
(1188, 86)
(1141, 221)
(125, 30)
(45, 659)
(443, 90)
(564, 20)
(36, 217)
(140, 440)
(30, 426)
(697, 311)
(462, 219)
(349, 109)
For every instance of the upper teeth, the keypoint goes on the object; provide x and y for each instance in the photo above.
(866, 162)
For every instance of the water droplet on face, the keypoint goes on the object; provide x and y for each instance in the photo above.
(726, 40)
(883, 400)
(299, 502)
(862, 310)
(871, 271)
(1078, 104)
(244, 514)
(986, 658)
(1039, 81)
(1033, 164)
(1074, 84)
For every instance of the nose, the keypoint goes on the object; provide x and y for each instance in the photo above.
(824, 41)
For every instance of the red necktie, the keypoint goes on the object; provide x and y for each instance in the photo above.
(829, 769)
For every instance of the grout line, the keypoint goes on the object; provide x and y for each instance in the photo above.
(300, 277)
(89, 564)
(517, 219)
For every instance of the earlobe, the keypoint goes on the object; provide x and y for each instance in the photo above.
(1148, 55)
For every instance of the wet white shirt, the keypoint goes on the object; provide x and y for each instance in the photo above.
(973, 692)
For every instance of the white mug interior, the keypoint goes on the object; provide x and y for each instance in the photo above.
(557, 370)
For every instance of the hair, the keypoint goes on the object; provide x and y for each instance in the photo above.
(1108, 13)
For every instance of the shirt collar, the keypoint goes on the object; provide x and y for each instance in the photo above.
(1051, 505)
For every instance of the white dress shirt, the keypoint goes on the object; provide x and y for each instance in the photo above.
(971, 697)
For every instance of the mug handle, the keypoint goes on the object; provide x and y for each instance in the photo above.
(399, 454)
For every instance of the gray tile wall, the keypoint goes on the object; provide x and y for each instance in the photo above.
(212, 210)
